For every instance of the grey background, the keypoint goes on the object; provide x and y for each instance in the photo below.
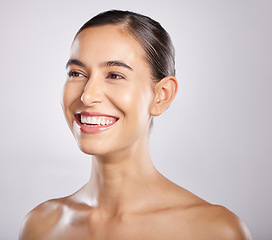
(215, 140)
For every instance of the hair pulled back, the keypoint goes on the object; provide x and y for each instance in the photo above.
(153, 38)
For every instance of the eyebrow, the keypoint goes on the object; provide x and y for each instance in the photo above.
(74, 62)
(116, 63)
(104, 64)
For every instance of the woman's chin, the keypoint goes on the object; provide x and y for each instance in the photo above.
(93, 149)
(90, 150)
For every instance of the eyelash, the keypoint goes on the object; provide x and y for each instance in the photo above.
(75, 74)
(111, 75)
(115, 76)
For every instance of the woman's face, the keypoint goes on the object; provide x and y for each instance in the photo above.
(108, 92)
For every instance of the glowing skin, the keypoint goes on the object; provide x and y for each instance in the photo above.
(126, 197)
(112, 90)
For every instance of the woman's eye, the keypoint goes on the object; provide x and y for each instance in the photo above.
(115, 76)
(75, 74)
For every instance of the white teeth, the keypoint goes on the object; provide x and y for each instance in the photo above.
(83, 119)
(93, 121)
(96, 120)
(88, 120)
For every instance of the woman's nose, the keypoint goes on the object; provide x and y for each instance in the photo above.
(93, 92)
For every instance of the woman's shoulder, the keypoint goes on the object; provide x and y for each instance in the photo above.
(41, 220)
(220, 223)
(200, 218)
(209, 220)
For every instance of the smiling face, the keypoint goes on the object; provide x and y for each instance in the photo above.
(108, 92)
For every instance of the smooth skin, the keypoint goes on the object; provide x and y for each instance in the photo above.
(125, 197)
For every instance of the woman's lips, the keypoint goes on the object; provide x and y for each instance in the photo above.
(94, 122)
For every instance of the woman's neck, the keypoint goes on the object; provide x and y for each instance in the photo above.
(121, 181)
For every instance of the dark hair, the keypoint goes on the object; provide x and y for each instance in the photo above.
(150, 34)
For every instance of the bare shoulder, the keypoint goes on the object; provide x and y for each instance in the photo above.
(203, 220)
(208, 221)
(221, 223)
(41, 220)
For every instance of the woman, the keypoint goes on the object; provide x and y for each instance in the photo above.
(120, 74)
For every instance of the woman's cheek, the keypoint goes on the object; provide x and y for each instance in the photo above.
(122, 95)
(128, 99)
(71, 93)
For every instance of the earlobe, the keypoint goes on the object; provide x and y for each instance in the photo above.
(165, 92)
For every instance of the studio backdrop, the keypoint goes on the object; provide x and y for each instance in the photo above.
(214, 140)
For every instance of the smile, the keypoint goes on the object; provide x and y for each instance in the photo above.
(94, 122)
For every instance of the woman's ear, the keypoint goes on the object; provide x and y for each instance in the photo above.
(165, 92)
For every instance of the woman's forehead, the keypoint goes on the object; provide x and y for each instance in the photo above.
(108, 40)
